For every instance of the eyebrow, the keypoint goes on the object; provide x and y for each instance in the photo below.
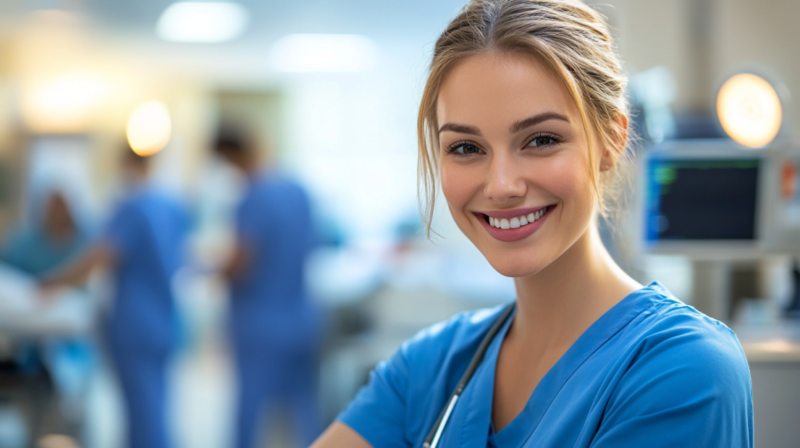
(516, 127)
(536, 119)
(460, 128)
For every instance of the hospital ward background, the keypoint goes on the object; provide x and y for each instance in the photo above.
(146, 145)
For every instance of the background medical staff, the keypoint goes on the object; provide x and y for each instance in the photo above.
(143, 247)
(54, 233)
(51, 236)
(274, 327)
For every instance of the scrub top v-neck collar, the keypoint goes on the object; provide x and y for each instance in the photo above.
(474, 429)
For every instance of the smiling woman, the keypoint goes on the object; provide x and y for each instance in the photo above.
(529, 154)
(523, 123)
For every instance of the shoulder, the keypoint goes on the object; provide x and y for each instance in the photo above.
(161, 201)
(684, 370)
(16, 243)
(673, 329)
(405, 390)
(138, 199)
(147, 204)
(127, 207)
(679, 355)
(18, 234)
(441, 349)
(278, 184)
(456, 337)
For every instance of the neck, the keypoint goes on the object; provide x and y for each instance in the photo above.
(563, 300)
(251, 171)
(137, 176)
(248, 164)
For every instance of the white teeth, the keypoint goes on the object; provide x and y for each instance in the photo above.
(515, 223)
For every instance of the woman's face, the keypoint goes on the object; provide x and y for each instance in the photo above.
(514, 161)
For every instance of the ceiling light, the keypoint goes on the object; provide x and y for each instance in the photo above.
(62, 104)
(749, 110)
(149, 128)
(324, 53)
(203, 22)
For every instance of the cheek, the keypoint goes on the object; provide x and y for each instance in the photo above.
(458, 186)
(568, 179)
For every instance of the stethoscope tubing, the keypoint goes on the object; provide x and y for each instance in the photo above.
(435, 434)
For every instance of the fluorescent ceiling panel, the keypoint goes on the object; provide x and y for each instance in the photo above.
(204, 22)
(324, 53)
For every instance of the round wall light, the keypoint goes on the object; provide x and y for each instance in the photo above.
(149, 128)
(749, 110)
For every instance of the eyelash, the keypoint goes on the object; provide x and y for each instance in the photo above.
(555, 140)
(452, 149)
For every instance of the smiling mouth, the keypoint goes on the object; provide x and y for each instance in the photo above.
(517, 221)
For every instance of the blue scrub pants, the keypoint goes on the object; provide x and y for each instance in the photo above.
(270, 381)
(142, 374)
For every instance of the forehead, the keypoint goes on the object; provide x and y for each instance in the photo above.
(492, 88)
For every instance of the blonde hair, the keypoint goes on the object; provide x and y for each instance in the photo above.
(569, 39)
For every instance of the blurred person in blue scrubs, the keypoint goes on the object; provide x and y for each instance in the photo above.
(523, 125)
(274, 327)
(142, 247)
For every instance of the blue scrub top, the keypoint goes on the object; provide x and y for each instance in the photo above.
(146, 234)
(269, 302)
(33, 251)
(651, 372)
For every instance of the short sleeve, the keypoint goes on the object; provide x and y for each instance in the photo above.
(12, 249)
(123, 231)
(378, 412)
(689, 389)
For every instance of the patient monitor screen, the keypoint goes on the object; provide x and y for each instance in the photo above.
(692, 199)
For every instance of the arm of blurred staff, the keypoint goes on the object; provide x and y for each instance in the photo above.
(339, 435)
(76, 272)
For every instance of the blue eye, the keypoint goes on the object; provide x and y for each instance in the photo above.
(463, 149)
(544, 141)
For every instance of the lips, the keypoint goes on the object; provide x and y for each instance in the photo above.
(514, 225)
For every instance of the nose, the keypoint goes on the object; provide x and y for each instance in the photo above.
(505, 181)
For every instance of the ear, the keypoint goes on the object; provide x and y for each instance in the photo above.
(612, 151)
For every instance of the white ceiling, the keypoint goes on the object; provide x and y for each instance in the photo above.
(405, 28)
(383, 20)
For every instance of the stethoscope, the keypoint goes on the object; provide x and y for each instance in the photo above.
(432, 441)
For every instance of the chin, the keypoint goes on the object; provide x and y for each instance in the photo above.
(509, 266)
